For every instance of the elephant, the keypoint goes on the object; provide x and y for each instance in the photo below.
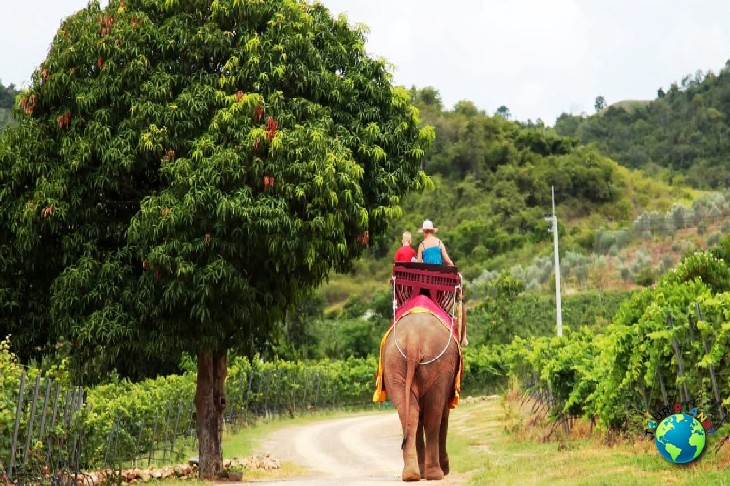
(420, 360)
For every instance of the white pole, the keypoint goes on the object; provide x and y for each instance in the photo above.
(559, 311)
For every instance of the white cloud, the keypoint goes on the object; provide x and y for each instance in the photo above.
(27, 29)
(492, 53)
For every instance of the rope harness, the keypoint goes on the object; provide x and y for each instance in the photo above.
(395, 339)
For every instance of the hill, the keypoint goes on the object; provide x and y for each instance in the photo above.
(681, 136)
(491, 192)
(629, 105)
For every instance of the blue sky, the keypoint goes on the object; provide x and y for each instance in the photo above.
(539, 58)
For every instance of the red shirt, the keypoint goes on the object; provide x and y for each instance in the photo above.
(404, 254)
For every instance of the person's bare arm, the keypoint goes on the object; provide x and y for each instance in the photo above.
(420, 253)
(444, 255)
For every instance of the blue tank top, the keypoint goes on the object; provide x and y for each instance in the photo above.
(432, 255)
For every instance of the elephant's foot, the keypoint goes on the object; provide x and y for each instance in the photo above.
(434, 473)
(410, 474)
(422, 468)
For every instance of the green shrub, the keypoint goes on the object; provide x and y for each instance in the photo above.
(485, 370)
(645, 277)
(10, 371)
(714, 238)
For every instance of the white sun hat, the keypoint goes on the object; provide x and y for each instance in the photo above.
(427, 225)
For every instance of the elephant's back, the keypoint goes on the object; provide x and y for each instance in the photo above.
(422, 336)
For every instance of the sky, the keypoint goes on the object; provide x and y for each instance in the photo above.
(538, 58)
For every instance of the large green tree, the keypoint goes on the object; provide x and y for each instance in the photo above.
(183, 171)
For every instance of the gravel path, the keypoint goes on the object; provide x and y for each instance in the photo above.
(364, 449)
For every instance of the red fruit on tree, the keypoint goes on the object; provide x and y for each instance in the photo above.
(364, 238)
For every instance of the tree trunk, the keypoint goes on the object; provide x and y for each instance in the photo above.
(210, 402)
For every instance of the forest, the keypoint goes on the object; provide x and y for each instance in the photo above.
(680, 137)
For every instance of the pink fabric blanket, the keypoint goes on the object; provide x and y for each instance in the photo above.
(422, 302)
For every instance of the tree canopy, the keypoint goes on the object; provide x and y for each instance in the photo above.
(682, 135)
(212, 183)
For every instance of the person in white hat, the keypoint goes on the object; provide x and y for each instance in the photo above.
(432, 250)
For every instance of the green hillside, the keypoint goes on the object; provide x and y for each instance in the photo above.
(620, 232)
(492, 188)
(630, 105)
(682, 135)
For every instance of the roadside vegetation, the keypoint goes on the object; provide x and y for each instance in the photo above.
(498, 441)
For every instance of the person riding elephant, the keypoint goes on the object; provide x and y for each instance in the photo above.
(431, 249)
(405, 253)
(420, 368)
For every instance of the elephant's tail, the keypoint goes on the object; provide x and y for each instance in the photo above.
(411, 365)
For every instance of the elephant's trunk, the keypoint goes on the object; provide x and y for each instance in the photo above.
(411, 365)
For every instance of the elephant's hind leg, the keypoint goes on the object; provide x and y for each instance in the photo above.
(421, 448)
(432, 425)
(411, 469)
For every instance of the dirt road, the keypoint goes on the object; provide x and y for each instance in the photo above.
(364, 449)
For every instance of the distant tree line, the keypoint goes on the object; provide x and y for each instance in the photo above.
(682, 135)
(7, 100)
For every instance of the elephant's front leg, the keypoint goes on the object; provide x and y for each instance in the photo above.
(443, 455)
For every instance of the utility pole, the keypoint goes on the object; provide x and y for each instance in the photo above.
(554, 230)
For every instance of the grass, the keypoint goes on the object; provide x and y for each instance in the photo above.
(493, 442)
